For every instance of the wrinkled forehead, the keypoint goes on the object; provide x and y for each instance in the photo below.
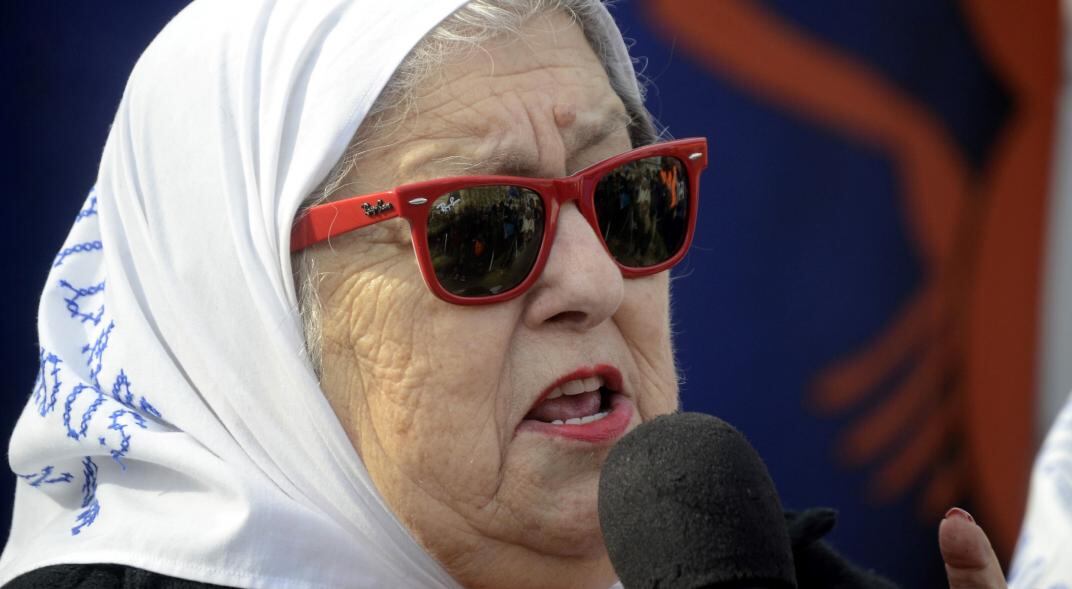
(533, 102)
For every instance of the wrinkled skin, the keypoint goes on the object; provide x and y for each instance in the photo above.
(431, 394)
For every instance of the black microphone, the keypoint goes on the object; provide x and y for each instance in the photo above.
(686, 502)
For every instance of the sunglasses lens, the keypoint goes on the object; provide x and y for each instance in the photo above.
(643, 210)
(484, 240)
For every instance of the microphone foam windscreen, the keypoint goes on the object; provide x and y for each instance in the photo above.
(685, 501)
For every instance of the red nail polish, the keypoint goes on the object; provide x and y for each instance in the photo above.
(958, 512)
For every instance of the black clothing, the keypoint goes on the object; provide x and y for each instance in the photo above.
(818, 566)
(100, 576)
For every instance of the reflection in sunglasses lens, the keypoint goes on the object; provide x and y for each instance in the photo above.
(643, 210)
(484, 240)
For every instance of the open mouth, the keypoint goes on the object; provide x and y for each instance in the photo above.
(585, 405)
(576, 402)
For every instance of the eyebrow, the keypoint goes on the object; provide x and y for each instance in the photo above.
(521, 163)
(589, 136)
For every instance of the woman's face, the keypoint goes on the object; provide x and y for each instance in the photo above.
(443, 402)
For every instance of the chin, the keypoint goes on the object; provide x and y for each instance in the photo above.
(562, 548)
(539, 571)
(590, 578)
(570, 528)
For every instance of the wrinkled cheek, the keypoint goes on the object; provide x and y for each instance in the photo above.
(659, 395)
(451, 442)
(444, 464)
(369, 371)
(646, 325)
(661, 402)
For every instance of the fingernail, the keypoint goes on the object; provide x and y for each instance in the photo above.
(958, 512)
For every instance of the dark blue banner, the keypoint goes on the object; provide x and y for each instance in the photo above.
(861, 297)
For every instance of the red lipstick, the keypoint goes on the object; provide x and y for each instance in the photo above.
(616, 409)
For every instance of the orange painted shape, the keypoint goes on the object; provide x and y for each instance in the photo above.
(990, 314)
(789, 68)
(880, 428)
(843, 385)
(943, 490)
(1022, 40)
(895, 477)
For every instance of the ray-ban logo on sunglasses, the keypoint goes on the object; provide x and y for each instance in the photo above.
(378, 208)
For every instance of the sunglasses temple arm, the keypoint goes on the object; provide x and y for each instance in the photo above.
(332, 219)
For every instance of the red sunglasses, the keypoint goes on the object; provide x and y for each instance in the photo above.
(485, 239)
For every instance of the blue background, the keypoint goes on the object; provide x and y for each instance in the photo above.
(802, 253)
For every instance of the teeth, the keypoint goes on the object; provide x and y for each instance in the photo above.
(581, 420)
(573, 387)
(576, 387)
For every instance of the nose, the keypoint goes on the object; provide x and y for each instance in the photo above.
(580, 286)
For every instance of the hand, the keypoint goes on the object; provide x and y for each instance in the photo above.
(970, 562)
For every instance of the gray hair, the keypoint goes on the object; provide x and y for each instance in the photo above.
(476, 23)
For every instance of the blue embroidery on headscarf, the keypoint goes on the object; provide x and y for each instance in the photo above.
(86, 415)
(76, 309)
(135, 410)
(78, 248)
(95, 358)
(124, 437)
(41, 478)
(121, 392)
(146, 407)
(123, 383)
(44, 396)
(90, 505)
(91, 209)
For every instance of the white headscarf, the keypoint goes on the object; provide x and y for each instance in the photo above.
(1044, 552)
(176, 424)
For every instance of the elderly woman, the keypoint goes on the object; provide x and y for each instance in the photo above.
(363, 295)
(213, 409)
